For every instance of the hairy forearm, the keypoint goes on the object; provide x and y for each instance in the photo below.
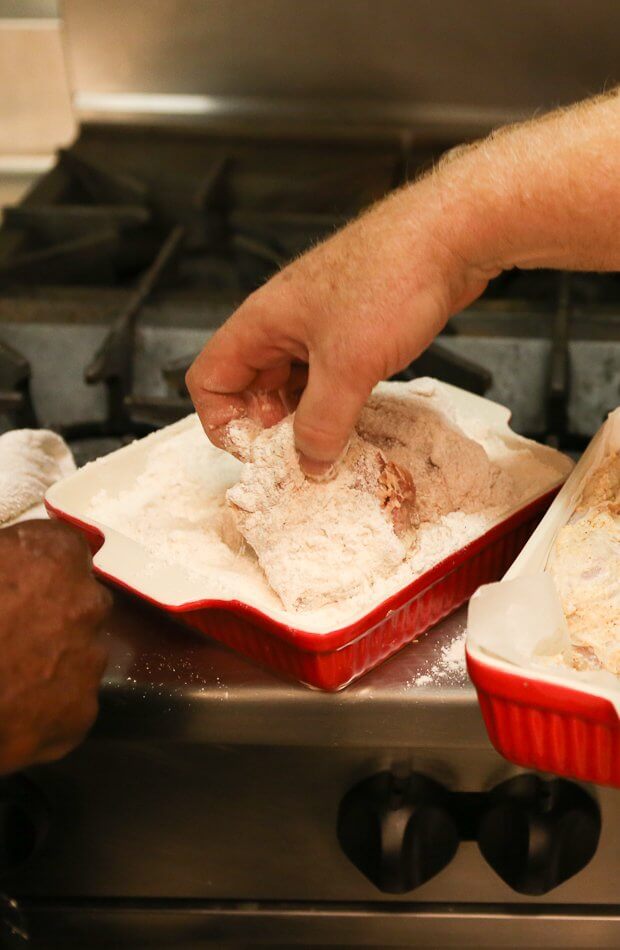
(544, 193)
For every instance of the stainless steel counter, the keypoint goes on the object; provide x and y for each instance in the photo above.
(203, 810)
(165, 682)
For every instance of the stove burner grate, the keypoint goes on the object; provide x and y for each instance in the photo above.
(15, 397)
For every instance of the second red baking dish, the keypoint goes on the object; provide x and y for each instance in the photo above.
(548, 717)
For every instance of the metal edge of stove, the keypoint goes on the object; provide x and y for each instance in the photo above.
(281, 716)
(259, 117)
(164, 682)
(306, 925)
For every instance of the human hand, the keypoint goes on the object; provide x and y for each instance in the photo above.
(52, 656)
(321, 333)
(362, 305)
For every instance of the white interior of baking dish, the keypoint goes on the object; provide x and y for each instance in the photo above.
(170, 585)
(518, 623)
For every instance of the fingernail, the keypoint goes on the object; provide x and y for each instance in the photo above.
(315, 469)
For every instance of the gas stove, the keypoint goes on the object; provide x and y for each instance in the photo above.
(213, 804)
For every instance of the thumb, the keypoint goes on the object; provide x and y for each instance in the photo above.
(325, 417)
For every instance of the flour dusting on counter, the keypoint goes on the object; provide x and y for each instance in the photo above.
(177, 508)
(449, 668)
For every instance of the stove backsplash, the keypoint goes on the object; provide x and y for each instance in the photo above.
(356, 62)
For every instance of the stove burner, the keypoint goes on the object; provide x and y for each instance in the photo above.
(80, 260)
(437, 361)
(257, 260)
(15, 397)
(83, 242)
(113, 363)
(153, 412)
(449, 367)
(100, 184)
(558, 384)
(58, 223)
(205, 220)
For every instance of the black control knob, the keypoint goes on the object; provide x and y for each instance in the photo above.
(397, 831)
(23, 822)
(537, 834)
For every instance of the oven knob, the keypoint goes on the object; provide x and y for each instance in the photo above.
(397, 831)
(537, 834)
(23, 821)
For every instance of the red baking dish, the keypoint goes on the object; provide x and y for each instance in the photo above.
(540, 724)
(327, 660)
(332, 660)
(552, 719)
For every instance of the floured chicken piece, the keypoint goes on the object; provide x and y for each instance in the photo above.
(585, 564)
(450, 471)
(239, 438)
(602, 490)
(322, 542)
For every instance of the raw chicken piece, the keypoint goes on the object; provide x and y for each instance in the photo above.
(585, 564)
(321, 542)
(450, 471)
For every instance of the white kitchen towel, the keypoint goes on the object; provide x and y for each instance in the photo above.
(30, 461)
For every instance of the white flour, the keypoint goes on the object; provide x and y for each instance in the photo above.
(176, 510)
(451, 664)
